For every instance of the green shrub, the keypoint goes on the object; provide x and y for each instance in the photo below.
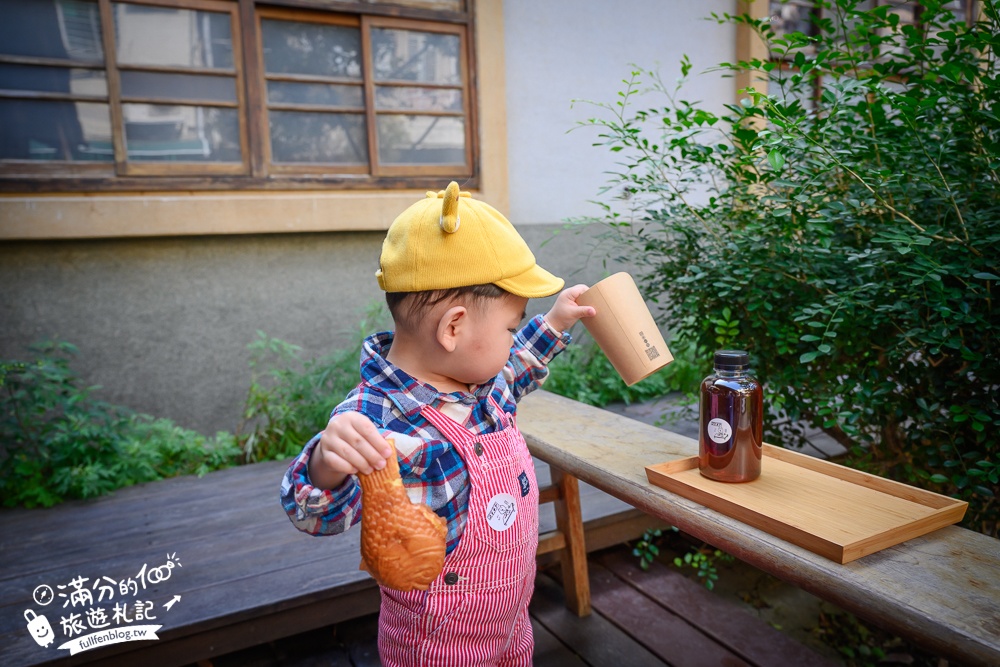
(582, 372)
(290, 399)
(849, 243)
(59, 442)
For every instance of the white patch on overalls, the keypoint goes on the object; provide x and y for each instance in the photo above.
(501, 511)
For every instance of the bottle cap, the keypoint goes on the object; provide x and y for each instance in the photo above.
(732, 360)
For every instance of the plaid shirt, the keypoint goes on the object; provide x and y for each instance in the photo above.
(432, 471)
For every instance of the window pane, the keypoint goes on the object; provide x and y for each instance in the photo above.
(408, 55)
(326, 138)
(792, 17)
(174, 37)
(417, 99)
(309, 48)
(61, 29)
(284, 92)
(178, 86)
(53, 79)
(421, 140)
(158, 133)
(446, 5)
(46, 130)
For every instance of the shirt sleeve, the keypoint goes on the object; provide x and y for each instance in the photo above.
(327, 511)
(535, 346)
(318, 511)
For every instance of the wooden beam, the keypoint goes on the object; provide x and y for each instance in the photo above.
(574, 556)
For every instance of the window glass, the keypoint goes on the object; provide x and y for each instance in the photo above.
(452, 5)
(64, 29)
(318, 138)
(311, 48)
(789, 17)
(168, 86)
(155, 132)
(283, 92)
(54, 130)
(417, 99)
(408, 55)
(53, 80)
(413, 140)
(163, 36)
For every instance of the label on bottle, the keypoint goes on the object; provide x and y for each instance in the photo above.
(719, 431)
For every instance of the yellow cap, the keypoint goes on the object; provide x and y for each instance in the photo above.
(451, 240)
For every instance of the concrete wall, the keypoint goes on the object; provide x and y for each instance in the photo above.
(163, 323)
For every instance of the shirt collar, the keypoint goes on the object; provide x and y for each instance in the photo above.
(405, 391)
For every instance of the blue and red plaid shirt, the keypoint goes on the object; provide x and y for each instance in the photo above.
(432, 471)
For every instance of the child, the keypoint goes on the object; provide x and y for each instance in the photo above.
(444, 386)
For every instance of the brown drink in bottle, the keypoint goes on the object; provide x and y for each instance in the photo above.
(732, 403)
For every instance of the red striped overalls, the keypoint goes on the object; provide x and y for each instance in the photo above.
(476, 611)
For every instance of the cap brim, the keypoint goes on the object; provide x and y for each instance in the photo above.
(534, 283)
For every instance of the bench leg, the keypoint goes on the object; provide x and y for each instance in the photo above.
(569, 521)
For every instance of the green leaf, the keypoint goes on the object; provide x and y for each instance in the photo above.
(807, 357)
(776, 159)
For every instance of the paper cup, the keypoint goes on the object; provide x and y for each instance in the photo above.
(624, 328)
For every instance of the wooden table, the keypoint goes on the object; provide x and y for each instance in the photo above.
(941, 590)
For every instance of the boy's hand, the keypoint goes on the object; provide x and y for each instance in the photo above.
(565, 311)
(350, 444)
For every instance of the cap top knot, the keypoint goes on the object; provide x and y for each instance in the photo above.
(449, 208)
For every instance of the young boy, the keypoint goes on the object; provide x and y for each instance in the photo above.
(444, 385)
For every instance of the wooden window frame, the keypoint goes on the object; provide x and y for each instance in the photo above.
(123, 165)
(256, 170)
(269, 166)
(458, 171)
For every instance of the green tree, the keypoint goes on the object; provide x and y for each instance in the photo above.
(849, 239)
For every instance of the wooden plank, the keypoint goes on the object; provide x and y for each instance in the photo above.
(834, 511)
(331, 657)
(212, 556)
(220, 618)
(360, 637)
(549, 651)
(573, 557)
(127, 502)
(247, 575)
(940, 590)
(169, 531)
(597, 641)
(315, 648)
(724, 622)
(668, 635)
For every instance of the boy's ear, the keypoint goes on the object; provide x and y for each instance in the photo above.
(450, 327)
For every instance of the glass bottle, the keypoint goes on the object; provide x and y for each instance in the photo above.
(732, 402)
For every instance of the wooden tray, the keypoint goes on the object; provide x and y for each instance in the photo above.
(836, 512)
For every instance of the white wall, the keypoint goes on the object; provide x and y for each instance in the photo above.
(561, 50)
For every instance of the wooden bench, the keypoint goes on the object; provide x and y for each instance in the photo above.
(941, 590)
(246, 575)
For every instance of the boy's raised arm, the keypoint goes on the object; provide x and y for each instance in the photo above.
(541, 339)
